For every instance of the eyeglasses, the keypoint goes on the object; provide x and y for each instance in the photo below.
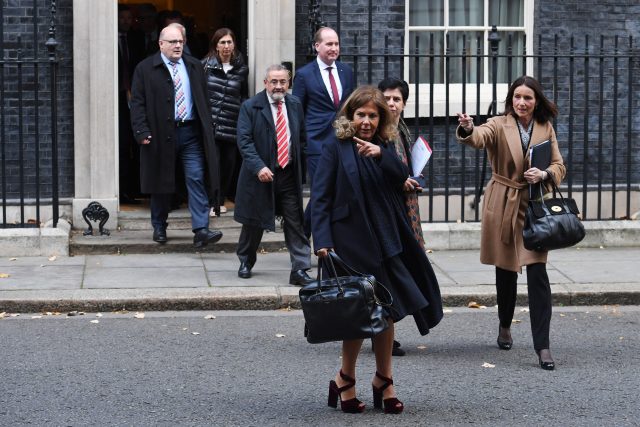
(278, 82)
(173, 42)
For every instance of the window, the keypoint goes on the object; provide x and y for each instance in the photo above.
(456, 33)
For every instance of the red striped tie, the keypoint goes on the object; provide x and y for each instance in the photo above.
(281, 134)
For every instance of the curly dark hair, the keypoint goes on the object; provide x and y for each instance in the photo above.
(387, 130)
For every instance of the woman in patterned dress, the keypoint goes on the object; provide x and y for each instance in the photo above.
(396, 92)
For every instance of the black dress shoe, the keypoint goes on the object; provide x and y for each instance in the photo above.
(204, 236)
(300, 278)
(504, 345)
(396, 351)
(160, 236)
(549, 364)
(244, 271)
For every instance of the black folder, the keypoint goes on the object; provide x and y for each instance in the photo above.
(540, 155)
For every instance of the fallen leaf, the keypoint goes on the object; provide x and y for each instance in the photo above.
(209, 316)
(95, 321)
(98, 314)
(2, 315)
(13, 259)
(139, 315)
(422, 347)
(488, 365)
(429, 251)
(4, 275)
(516, 321)
(14, 315)
(562, 315)
(524, 310)
(53, 258)
(48, 313)
(72, 313)
(447, 310)
(474, 304)
(36, 317)
(184, 329)
(621, 338)
(195, 333)
(280, 335)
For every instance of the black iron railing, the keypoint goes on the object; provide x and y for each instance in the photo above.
(28, 119)
(594, 87)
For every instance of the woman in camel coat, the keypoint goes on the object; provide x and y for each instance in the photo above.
(507, 139)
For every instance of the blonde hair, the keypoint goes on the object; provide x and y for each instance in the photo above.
(387, 130)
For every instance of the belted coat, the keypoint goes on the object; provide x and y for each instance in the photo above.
(152, 114)
(506, 196)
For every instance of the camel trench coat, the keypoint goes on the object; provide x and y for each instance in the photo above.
(506, 195)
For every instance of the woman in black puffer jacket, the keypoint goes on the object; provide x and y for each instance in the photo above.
(226, 87)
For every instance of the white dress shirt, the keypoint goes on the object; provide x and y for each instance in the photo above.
(325, 78)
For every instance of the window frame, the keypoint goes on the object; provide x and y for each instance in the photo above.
(456, 89)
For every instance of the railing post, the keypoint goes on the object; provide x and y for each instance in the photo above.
(315, 22)
(51, 45)
(494, 42)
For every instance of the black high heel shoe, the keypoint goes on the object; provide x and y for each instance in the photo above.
(548, 365)
(351, 406)
(504, 345)
(391, 405)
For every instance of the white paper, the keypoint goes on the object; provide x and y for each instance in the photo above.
(420, 155)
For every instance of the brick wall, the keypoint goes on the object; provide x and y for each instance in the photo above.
(27, 90)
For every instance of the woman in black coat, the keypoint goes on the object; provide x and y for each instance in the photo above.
(358, 210)
(226, 75)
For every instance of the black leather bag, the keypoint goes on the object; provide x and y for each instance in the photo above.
(345, 307)
(552, 223)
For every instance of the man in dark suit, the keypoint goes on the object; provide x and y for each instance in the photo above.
(271, 140)
(322, 86)
(170, 119)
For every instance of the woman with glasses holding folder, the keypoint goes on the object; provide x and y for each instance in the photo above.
(508, 138)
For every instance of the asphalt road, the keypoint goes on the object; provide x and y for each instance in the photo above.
(178, 368)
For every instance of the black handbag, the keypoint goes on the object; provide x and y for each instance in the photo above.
(552, 223)
(342, 308)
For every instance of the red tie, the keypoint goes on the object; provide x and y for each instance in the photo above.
(281, 134)
(334, 88)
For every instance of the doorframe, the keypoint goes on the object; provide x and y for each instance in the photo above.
(270, 39)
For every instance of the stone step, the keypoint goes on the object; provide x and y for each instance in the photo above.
(180, 219)
(179, 241)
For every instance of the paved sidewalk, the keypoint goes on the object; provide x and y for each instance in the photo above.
(176, 281)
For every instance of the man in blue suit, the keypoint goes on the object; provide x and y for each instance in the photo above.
(322, 86)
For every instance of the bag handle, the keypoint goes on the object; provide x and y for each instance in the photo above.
(333, 257)
(555, 189)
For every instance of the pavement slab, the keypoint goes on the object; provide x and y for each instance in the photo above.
(209, 280)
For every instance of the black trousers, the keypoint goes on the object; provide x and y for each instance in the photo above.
(288, 204)
(539, 291)
(229, 159)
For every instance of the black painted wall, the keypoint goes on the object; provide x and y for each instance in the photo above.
(23, 134)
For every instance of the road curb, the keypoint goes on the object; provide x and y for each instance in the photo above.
(236, 298)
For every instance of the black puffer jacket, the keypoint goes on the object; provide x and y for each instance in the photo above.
(225, 92)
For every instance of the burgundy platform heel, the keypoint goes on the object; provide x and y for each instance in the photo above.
(391, 405)
(351, 406)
